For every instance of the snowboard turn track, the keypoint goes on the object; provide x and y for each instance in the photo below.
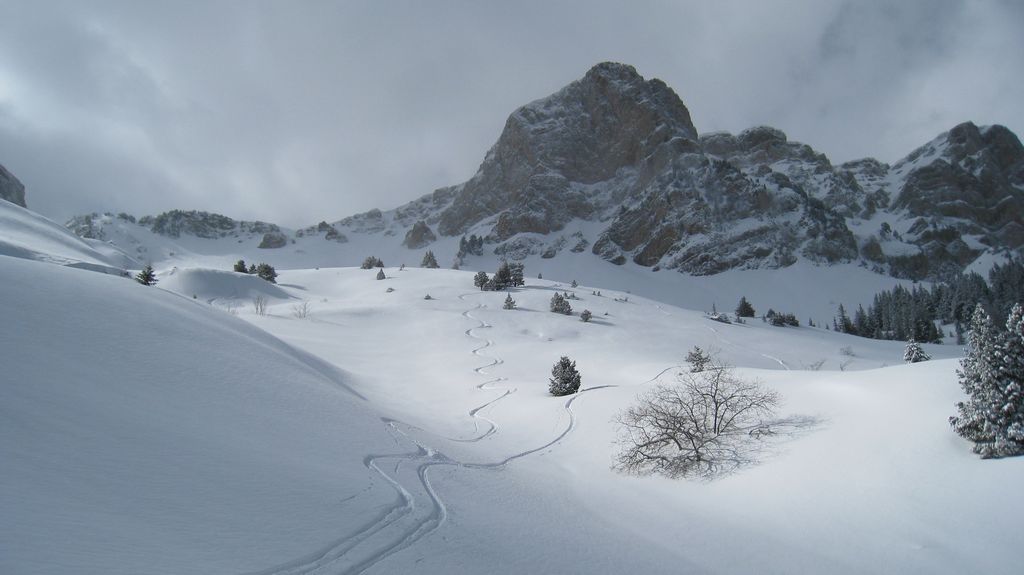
(418, 511)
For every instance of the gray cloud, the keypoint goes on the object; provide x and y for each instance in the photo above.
(295, 112)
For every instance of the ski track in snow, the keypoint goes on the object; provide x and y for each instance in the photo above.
(418, 511)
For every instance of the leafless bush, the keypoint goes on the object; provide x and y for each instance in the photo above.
(301, 310)
(815, 366)
(846, 350)
(259, 303)
(845, 364)
(705, 425)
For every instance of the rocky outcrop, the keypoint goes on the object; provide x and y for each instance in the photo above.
(537, 173)
(273, 240)
(418, 236)
(11, 189)
(175, 223)
(972, 177)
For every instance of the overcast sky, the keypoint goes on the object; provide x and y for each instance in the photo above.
(300, 111)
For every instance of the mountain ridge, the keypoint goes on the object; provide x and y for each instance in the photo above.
(613, 164)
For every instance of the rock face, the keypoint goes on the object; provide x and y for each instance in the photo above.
(615, 148)
(419, 235)
(612, 164)
(535, 177)
(11, 189)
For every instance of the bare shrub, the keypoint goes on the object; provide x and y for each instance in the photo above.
(301, 310)
(259, 304)
(707, 424)
(816, 366)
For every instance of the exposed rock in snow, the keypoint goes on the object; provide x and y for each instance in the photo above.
(11, 189)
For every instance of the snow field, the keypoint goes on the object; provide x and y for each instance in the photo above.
(147, 431)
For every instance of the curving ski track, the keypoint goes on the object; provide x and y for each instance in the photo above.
(418, 511)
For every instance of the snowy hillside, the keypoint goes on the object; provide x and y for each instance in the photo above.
(172, 429)
(25, 234)
(808, 290)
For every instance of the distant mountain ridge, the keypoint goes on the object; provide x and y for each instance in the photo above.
(612, 164)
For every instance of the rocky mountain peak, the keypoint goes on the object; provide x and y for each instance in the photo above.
(11, 189)
(584, 134)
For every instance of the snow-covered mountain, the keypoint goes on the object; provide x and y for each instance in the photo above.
(611, 165)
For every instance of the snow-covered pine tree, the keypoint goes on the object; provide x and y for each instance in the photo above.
(698, 359)
(371, 262)
(913, 352)
(744, 309)
(429, 261)
(503, 277)
(147, 276)
(517, 274)
(560, 305)
(240, 267)
(575, 284)
(565, 379)
(267, 272)
(991, 375)
(380, 274)
(509, 302)
(585, 315)
(480, 279)
(1011, 382)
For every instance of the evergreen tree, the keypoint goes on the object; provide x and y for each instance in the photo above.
(147, 276)
(267, 272)
(585, 315)
(574, 284)
(380, 274)
(560, 305)
(842, 322)
(503, 277)
(240, 267)
(509, 302)
(565, 379)
(698, 359)
(992, 375)
(252, 268)
(429, 261)
(744, 309)
(517, 274)
(371, 262)
(913, 352)
(480, 279)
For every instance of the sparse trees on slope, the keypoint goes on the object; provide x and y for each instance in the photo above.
(429, 261)
(371, 262)
(992, 376)
(146, 277)
(913, 352)
(565, 379)
(560, 305)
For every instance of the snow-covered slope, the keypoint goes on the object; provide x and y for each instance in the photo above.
(25, 234)
(143, 430)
